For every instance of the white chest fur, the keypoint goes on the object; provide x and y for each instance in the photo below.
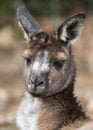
(28, 113)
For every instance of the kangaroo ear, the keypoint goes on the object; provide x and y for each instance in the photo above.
(70, 30)
(27, 23)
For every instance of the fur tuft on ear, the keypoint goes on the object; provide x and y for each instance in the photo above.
(70, 30)
(27, 23)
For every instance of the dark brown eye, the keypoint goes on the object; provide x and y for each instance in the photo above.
(27, 61)
(59, 64)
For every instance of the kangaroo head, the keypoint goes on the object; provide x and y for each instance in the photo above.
(48, 62)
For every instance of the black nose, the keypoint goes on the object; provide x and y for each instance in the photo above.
(37, 81)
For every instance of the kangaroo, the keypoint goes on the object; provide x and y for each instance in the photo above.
(49, 74)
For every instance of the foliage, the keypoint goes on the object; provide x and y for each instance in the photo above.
(44, 8)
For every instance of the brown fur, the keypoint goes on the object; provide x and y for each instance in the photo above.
(57, 112)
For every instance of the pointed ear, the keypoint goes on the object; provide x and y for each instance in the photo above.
(27, 23)
(70, 30)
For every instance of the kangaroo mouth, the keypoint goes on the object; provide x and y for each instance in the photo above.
(36, 90)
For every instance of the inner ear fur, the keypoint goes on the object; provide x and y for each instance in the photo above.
(71, 29)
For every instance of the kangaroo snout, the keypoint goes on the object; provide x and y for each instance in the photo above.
(37, 81)
(36, 85)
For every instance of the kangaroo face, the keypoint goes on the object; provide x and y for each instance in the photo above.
(45, 70)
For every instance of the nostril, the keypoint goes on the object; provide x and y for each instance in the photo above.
(40, 83)
(37, 82)
(32, 82)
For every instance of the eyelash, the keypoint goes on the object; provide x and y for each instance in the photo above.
(27, 61)
(59, 64)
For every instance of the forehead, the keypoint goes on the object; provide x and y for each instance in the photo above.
(46, 46)
(47, 51)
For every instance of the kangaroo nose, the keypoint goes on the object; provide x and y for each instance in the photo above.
(37, 82)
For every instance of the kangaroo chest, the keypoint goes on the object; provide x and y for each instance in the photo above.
(28, 114)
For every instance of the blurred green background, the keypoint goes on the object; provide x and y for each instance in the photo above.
(44, 8)
(49, 14)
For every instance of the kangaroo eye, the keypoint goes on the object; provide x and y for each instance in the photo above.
(27, 61)
(59, 64)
